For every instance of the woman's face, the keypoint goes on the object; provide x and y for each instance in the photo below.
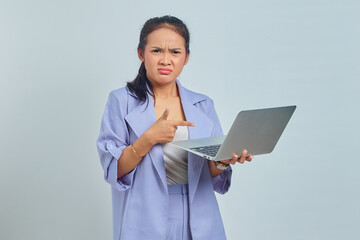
(164, 56)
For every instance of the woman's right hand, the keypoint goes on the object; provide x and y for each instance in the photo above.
(163, 130)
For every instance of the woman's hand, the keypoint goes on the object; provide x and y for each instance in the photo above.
(163, 130)
(216, 168)
(238, 159)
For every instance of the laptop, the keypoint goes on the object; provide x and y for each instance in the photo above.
(257, 130)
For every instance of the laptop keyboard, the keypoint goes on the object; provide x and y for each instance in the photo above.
(208, 150)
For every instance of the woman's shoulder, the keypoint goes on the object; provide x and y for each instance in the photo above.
(118, 99)
(120, 92)
(122, 95)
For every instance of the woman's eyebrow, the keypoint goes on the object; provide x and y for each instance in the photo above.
(171, 49)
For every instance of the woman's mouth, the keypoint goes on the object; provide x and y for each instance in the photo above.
(165, 71)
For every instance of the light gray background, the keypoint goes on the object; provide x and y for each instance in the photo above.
(60, 59)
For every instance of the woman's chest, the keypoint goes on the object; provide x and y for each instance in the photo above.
(174, 106)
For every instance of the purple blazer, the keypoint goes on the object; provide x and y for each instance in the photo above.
(140, 198)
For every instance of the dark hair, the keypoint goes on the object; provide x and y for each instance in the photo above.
(139, 86)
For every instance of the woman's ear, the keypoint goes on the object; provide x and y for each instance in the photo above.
(187, 58)
(140, 55)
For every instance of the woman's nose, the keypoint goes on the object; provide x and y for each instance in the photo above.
(165, 59)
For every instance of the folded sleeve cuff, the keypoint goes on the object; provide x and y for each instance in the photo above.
(123, 183)
(222, 181)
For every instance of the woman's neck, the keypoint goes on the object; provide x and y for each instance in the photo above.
(166, 91)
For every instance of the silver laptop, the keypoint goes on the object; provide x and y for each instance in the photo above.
(258, 131)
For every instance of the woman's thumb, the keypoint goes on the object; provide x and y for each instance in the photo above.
(165, 115)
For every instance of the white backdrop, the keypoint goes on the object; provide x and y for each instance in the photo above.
(60, 59)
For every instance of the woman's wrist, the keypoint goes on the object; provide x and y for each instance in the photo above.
(135, 152)
(147, 139)
(143, 144)
(221, 166)
(214, 170)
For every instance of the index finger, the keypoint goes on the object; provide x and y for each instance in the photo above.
(183, 123)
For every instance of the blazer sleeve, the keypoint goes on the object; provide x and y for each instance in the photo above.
(222, 181)
(113, 138)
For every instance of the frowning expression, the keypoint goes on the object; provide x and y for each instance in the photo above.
(164, 56)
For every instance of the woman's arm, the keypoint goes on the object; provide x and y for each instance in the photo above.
(162, 131)
(132, 155)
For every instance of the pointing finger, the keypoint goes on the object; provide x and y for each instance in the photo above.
(183, 123)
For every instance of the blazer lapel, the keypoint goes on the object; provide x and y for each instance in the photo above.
(203, 127)
(140, 120)
(203, 123)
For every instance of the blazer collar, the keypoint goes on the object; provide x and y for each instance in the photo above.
(203, 127)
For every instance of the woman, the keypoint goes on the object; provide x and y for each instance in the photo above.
(158, 191)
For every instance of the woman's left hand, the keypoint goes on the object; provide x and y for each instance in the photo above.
(238, 159)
